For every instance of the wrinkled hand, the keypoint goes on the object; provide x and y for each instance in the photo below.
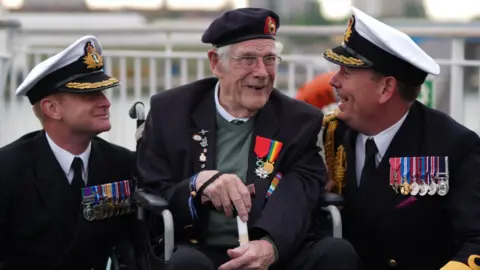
(256, 255)
(223, 191)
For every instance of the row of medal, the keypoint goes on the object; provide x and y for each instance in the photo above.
(201, 138)
(419, 175)
(107, 200)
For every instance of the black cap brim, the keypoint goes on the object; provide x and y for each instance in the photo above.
(340, 56)
(92, 82)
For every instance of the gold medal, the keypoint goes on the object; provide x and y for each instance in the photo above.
(405, 189)
(111, 209)
(98, 209)
(268, 167)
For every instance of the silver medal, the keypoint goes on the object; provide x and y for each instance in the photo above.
(432, 189)
(423, 189)
(261, 172)
(204, 142)
(414, 189)
(443, 188)
(88, 213)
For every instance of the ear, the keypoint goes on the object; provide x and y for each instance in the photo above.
(389, 86)
(215, 65)
(51, 107)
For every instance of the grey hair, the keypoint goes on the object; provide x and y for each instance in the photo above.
(225, 50)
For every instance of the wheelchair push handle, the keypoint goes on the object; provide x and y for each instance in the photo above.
(137, 111)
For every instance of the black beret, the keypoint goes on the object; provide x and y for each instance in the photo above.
(240, 25)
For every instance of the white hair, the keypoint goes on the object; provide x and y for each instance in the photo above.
(225, 50)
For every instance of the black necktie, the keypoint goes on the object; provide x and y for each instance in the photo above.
(369, 166)
(237, 122)
(77, 182)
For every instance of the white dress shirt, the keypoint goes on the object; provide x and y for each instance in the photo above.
(65, 160)
(382, 141)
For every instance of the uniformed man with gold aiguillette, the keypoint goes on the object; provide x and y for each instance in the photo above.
(410, 175)
(65, 193)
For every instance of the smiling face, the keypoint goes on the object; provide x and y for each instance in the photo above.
(360, 93)
(79, 113)
(87, 113)
(246, 72)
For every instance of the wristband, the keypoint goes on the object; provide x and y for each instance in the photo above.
(207, 183)
(193, 185)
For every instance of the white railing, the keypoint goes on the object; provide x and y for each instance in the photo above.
(144, 73)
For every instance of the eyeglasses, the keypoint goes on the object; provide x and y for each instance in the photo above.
(251, 61)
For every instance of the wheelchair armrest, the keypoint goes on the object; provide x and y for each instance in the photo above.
(149, 200)
(329, 198)
(159, 206)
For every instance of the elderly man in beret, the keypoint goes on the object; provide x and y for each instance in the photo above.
(237, 160)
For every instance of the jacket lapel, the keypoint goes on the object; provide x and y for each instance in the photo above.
(202, 135)
(97, 166)
(266, 125)
(405, 143)
(52, 184)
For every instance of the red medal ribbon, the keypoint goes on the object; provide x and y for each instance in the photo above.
(262, 146)
(394, 166)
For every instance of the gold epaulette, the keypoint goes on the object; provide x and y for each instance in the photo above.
(336, 160)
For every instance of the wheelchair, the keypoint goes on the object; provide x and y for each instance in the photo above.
(148, 257)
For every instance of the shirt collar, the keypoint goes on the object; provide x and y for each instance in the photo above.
(65, 158)
(227, 116)
(384, 138)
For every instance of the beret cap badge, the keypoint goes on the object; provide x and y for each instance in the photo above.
(270, 27)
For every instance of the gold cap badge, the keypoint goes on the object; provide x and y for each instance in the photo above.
(348, 31)
(92, 59)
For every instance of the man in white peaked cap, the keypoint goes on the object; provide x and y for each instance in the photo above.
(53, 181)
(410, 175)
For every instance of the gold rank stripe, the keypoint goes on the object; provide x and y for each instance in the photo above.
(343, 59)
(88, 85)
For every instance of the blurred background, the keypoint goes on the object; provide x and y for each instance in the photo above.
(153, 45)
